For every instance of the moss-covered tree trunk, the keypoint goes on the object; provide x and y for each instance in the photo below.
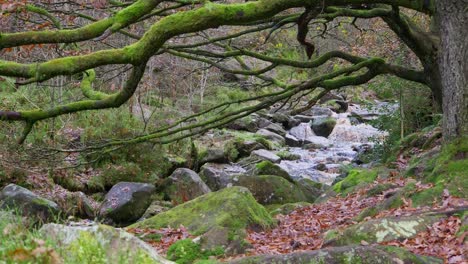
(453, 66)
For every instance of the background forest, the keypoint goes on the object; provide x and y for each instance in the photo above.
(296, 178)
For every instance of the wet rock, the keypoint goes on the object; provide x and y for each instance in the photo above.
(264, 154)
(284, 119)
(302, 132)
(234, 209)
(343, 255)
(381, 230)
(321, 167)
(304, 118)
(271, 136)
(316, 142)
(184, 185)
(275, 128)
(28, 203)
(323, 126)
(292, 141)
(126, 202)
(116, 244)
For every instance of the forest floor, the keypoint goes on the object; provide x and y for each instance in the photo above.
(304, 228)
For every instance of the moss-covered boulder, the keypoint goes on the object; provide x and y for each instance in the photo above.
(184, 185)
(27, 203)
(231, 209)
(100, 243)
(343, 255)
(381, 230)
(212, 155)
(270, 189)
(450, 172)
(355, 177)
(268, 168)
(311, 189)
(323, 126)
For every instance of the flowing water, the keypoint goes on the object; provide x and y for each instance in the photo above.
(347, 139)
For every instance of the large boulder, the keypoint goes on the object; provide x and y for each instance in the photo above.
(344, 255)
(184, 185)
(263, 154)
(381, 230)
(28, 203)
(231, 209)
(270, 189)
(302, 131)
(323, 126)
(244, 124)
(112, 244)
(126, 202)
(271, 136)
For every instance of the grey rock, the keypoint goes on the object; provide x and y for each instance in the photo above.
(302, 131)
(275, 128)
(292, 141)
(28, 203)
(215, 176)
(271, 136)
(317, 142)
(213, 155)
(304, 118)
(126, 202)
(264, 154)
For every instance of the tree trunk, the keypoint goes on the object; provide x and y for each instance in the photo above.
(453, 66)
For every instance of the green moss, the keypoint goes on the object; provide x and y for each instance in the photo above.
(286, 155)
(271, 189)
(449, 173)
(184, 251)
(233, 208)
(268, 168)
(379, 189)
(354, 178)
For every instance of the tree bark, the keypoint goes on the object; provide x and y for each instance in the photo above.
(453, 66)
